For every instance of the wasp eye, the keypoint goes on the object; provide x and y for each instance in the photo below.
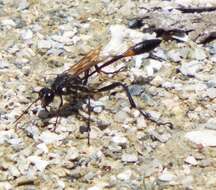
(46, 96)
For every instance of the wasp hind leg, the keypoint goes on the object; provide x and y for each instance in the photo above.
(133, 104)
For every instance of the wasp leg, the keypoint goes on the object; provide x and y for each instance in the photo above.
(89, 119)
(132, 103)
(85, 78)
(119, 84)
(105, 72)
(58, 113)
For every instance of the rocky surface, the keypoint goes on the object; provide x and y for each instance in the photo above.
(41, 38)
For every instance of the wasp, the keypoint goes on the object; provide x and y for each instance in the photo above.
(74, 80)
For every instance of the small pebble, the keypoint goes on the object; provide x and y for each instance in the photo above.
(136, 90)
(141, 123)
(191, 68)
(23, 4)
(211, 93)
(174, 55)
(98, 109)
(115, 148)
(120, 140)
(153, 67)
(191, 160)
(99, 186)
(203, 137)
(43, 147)
(38, 162)
(44, 44)
(211, 124)
(198, 54)
(122, 117)
(72, 154)
(4, 64)
(8, 22)
(49, 138)
(166, 176)
(27, 34)
(90, 176)
(129, 158)
(14, 171)
(125, 175)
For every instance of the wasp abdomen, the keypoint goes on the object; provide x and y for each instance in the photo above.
(143, 47)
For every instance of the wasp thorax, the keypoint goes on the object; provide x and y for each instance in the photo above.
(46, 96)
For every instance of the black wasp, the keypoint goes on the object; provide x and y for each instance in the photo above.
(71, 82)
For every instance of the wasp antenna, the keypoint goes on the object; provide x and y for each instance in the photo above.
(25, 111)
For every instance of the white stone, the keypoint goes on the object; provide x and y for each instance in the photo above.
(137, 74)
(191, 68)
(33, 131)
(44, 44)
(154, 114)
(198, 54)
(14, 171)
(203, 137)
(4, 64)
(48, 137)
(191, 160)
(43, 147)
(135, 113)
(118, 32)
(130, 158)
(127, 8)
(62, 39)
(23, 4)
(98, 186)
(174, 55)
(139, 59)
(5, 136)
(21, 61)
(14, 141)
(125, 175)
(6, 186)
(119, 140)
(72, 154)
(153, 67)
(211, 123)
(118, 44)
(141, 123)
(23, 164)
(27, 34)
(211, 93)
(98, 109)
(166, 176)
(70, 34)
(38, 162)
(61, 184)
(122, 117)
(8, 22)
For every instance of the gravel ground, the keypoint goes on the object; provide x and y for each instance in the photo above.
(41, 38)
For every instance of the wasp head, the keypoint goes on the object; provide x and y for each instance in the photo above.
(46, 96)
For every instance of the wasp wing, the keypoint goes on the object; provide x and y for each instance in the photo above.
(89, 60)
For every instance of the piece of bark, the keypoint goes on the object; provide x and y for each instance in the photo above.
(168, 34)
(196, 9)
